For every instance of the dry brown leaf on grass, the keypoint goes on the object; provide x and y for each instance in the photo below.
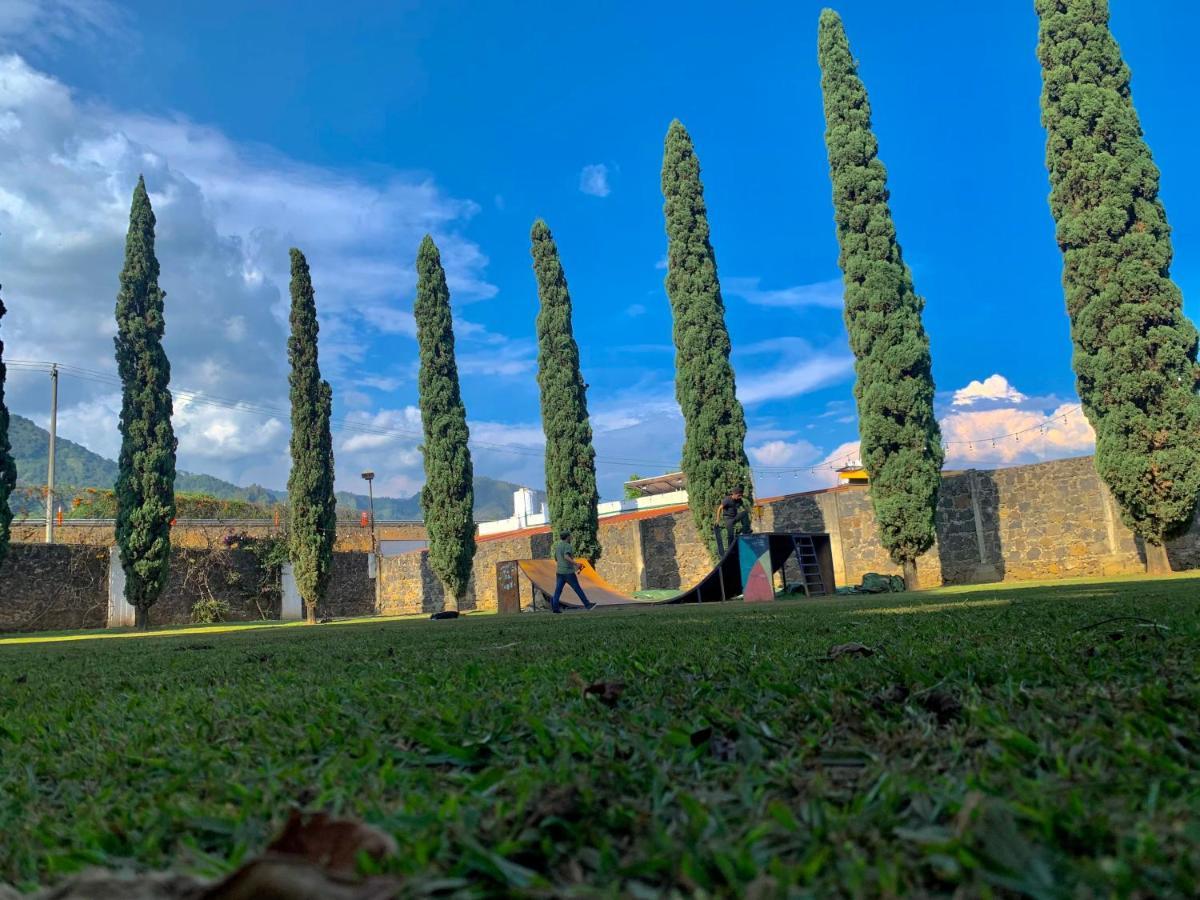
(274, 877)
(315, 857)
(607, 692)
(851, 649)
(332, 843)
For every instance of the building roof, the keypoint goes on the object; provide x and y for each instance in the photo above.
(659, 484)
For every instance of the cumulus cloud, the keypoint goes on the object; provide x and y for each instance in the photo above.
(821, 294)
(1012, 435)
(593, 180)
(227, 214)
(994, 388)
(783, 453)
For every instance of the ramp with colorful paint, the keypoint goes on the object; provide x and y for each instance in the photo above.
(746, 570)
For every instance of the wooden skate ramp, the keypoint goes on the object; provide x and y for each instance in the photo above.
(723, 582)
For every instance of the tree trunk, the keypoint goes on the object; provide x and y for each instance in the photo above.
(141, 618)
(311, 612)
(1157, 561)
(910, 575)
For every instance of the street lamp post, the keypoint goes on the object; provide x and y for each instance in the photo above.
(369, 477)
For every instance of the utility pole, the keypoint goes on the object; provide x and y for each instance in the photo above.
(369, 477)
(50, 462)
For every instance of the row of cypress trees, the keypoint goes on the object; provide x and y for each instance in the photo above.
(1135, 352)
(1135, 356)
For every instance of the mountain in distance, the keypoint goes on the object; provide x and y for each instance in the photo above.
(77, 468)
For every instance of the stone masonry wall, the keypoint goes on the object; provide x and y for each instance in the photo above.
(673, 554)
(621, 562)
(407, 586)
(52, 587)
(1042, 521)
(232, 576)
(351, 590)
(193, 535)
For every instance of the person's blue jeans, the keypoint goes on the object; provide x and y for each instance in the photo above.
(573, 580)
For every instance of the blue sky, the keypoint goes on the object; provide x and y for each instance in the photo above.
(350, 129)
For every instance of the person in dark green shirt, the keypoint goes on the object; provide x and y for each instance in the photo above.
(567, 570)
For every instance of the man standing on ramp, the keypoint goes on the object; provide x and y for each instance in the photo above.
(731, 513)
(567, 569)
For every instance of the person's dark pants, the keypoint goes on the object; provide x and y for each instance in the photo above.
(573, 580)
(743, 519)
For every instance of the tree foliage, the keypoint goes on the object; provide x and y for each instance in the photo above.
(1135, 351)
(714, 454)
(448, 495)
(900, 440)
(570, 457)
(8, 467)
(146, 466)
(312, 515)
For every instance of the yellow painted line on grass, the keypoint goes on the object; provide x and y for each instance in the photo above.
(927, 607)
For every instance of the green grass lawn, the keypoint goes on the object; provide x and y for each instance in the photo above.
(992, 743)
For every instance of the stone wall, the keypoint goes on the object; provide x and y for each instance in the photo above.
(208, 535)
(673, 554)
(229, 576)
(64, 587)
(621, 559)
(52, 587)
(407, 586)
(351, 590)
(1045, 521)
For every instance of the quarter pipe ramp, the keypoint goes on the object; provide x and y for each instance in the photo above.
(814, 565)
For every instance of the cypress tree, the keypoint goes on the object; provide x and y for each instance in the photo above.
(900, 439)
(448, 497)
(714, 454)
(145, 486)
(570, 458)
(1135, 351)
(8, 468)
(312, 513)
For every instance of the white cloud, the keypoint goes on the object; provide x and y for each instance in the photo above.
(991, 436)
(593, 180)
(783, 453)
(663, 262)
(821, 294)
(795, 377)
(635, 309)
(42, 23)
(227, 214)
(992, 388)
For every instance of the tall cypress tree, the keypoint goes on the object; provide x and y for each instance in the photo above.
(8, 468)
(448, 497)
(145, 486)
(312, 512)
(1135, 351)
(900, 439)
(570, 458)
(714, 454)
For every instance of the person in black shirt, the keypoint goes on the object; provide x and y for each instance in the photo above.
(733, 512)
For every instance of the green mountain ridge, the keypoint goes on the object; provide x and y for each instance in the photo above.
(78, 468)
